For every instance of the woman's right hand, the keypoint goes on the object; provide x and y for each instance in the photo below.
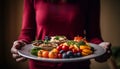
(14, 50)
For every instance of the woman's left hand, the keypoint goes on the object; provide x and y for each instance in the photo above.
(107, 54)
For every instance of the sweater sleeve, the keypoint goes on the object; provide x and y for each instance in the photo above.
(93, 33)
(28, 29)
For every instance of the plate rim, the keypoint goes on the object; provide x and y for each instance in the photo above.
(62, 60)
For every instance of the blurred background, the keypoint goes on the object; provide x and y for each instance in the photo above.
(11, 18)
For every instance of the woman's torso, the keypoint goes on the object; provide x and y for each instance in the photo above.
(54, 18)
(65, 18)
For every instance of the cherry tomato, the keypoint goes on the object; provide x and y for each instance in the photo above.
(59, 55)
(40, 53)
(55, 50)
(45, 54)
(52, 54)
(59, 47)
(74, 50)
(65, 48)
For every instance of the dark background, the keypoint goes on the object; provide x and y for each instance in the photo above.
(11, 19)
(10, 22)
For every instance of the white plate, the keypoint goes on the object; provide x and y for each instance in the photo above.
(25, 52)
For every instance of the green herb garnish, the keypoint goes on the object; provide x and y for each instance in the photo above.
(57, 37)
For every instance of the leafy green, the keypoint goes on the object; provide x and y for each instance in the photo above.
(35, 50)
(71, 42)
(80, 43)
(57, 37)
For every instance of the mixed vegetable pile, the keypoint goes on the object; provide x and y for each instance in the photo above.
(78, 47)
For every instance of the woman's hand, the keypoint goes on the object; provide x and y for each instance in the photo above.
(14, 50)
(107, 54)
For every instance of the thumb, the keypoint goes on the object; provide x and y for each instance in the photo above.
(105, 45)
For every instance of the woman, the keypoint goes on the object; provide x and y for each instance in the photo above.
(60, 17)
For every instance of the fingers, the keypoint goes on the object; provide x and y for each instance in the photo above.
(21, 59)
(105, 45)
(14, 50)
(107, 54)
(16, 56)
(18, 44)
(104, 57)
